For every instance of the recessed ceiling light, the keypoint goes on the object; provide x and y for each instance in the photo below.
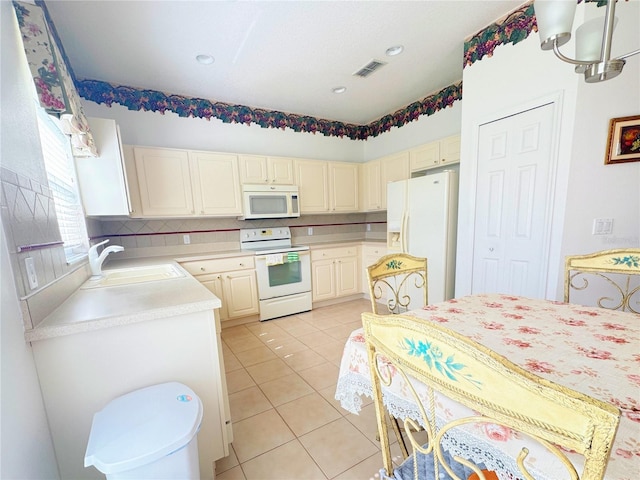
(204, 59)
(397, 50)
(339, 89)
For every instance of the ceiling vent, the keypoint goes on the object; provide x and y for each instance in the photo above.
(369, 68)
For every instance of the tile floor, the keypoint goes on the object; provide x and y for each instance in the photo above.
(281, 377)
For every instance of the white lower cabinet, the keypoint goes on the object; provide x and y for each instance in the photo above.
(370, 255)
(232, 280)
(335, 272)
(80, 373)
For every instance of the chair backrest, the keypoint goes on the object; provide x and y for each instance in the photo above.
(608, 279)
(433, 363)
(398, 283)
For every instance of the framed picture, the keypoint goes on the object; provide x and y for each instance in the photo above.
(623, 144)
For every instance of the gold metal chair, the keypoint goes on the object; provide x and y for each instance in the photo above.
(498, 393)
(611, 276)
(399, 282)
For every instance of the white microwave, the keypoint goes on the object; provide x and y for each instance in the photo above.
(270, 201)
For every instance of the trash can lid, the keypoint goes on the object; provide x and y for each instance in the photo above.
(143, 426)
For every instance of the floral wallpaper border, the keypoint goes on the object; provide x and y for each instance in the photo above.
(513, 28)
(152, 100)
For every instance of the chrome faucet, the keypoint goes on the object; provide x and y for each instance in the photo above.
(95, 260)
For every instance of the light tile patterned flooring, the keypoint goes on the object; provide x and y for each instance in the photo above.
(281, 377)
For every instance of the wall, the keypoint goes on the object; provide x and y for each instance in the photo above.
(426, 129)
(585, 188)
(26, 449)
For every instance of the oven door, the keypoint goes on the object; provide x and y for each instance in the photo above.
(291, 276)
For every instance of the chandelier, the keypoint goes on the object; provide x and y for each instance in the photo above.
(593, 38)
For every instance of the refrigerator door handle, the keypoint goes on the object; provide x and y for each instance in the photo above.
(403, 232)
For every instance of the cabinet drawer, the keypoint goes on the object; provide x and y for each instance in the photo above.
(217, 265)
(331, 253)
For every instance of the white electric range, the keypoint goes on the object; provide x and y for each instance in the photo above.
(283, 271)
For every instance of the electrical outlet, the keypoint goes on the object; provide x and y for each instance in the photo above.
(186, 239)
(31, 273)
(310, 231)
(368, 227)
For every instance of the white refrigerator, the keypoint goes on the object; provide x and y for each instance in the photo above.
(422, 218)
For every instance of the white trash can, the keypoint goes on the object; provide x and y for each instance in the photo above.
(150, 433)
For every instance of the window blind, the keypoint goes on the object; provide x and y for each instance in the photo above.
(58, 160)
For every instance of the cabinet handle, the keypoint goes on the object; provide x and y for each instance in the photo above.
(242, 264)
(202, 269)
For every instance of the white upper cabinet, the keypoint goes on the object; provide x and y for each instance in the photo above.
(179, 183)
(393, 168)
(164, 180)
(103, 180)
(327, 187)
(312, 178)
(255, 169)
(436, 154)
(216, 187)
(371, 186)
(343, 186)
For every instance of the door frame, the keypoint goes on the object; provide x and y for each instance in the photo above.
(555, 206)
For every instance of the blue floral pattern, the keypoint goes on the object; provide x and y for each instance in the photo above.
(434, 358)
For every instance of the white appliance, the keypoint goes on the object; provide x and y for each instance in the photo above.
(270, 201)
(422, 217)
(283, 271)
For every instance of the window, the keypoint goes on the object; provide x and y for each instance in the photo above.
(56, 149)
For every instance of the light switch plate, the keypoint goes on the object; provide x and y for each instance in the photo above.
(186, 239)
(31, 273)
(602, 226)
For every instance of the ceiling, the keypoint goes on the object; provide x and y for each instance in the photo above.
(276, 55)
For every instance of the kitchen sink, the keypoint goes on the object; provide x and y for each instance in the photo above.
(126, 276)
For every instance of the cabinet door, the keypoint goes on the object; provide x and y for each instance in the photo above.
(425, 156)
(280, 170)
(216, 186)
(393, 168)
(372, 186)
(213, 282)
(312, 180)
(241, 293)
(343, 180)
(450, 150)
(103, 180)
(323, 280)
(347, 276)
(164, 180)
(253, 169)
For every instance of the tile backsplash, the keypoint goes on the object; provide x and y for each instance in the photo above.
(166, 237)
(31, 231)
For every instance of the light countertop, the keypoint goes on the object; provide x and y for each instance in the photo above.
(97, 308)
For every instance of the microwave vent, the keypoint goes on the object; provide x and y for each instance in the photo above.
(369, 68)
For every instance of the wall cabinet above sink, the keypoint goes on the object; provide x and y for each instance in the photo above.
(183, 183)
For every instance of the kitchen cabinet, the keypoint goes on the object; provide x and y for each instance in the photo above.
(343, 187)
(216, 184)
(370, 255)
(232, 280)
(80, 373)
(392, 168)
(256, 169)
(102, 181)
(435, 154)
(335, 273)
(327, 187)
(182, 183)
(371, 186)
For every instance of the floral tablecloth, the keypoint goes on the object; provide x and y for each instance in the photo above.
(591, 350)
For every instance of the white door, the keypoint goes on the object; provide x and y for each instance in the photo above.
(514, 193)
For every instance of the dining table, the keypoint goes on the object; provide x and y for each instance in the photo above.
(594, 351)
